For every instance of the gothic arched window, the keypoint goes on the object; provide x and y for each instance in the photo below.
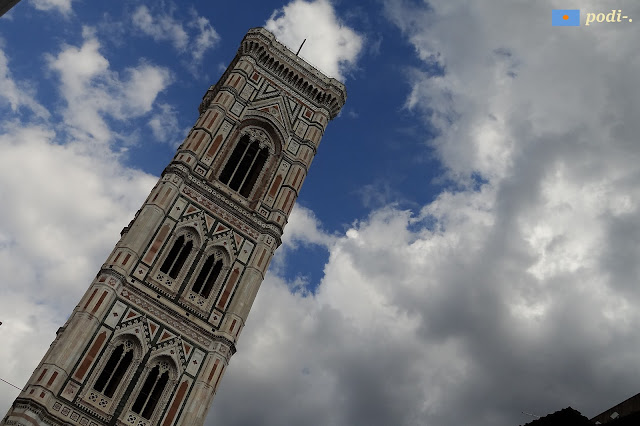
(208, 275)
(151, 390)
(244, 165)
(114, 369)
(176, 257)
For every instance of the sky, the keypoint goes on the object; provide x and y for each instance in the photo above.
(465, 248)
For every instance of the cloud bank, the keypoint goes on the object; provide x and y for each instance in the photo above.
(331, 46)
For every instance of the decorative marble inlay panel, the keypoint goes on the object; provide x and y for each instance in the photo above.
(301, 129)
(74, 418)
(215, 318)
(178, 208)
(293, 147)
(114, 316)
(196, 299)
(195, 362)
(221, 213)
(163, 279)
(237, 108)
(200, 170)
(245, 251)
(151, 309)
(140, 272)
(247, 91)
(136, 419)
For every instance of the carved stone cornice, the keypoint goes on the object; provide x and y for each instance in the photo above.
(168, 316)
(24, 404)
(263, 227)
(311, 85)
(246, 220)
(165, 314)
(284, 54)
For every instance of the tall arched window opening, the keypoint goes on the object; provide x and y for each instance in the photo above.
(114, 369)
(151, 391)
(176, 257)
(244, 166)
(207, 277)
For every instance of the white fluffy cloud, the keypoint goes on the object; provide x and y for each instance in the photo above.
(206, 37)
(17, 97)
(62, 6)
(331, 46)
(163, 26)
(164, 125)
(93, 91)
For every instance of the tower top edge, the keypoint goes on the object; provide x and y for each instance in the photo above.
(275, 45)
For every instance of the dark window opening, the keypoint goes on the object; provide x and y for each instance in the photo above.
(244, 166)
(114, 369)
(254, 172)
(118, 374)
(207, 276)
(176, 257)
(150, 393)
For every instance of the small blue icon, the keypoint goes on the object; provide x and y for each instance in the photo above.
(565, 17)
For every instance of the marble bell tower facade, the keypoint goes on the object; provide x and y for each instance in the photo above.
(151, 338)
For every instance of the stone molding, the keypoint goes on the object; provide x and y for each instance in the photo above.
(168, 316)
(210, 197)
(265, 50)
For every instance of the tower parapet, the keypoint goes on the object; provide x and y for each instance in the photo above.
(290, 69)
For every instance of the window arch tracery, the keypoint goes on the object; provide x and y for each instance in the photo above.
(208, 278)
(179, 252)
(152, 391)
(208, 275)
(247, 161)
(113, 373)
(115, 368)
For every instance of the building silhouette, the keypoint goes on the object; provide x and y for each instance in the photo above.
(626, 413)
(622, 412)
(6, 5)
(151, 338)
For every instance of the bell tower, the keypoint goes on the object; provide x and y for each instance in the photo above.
(152, 337)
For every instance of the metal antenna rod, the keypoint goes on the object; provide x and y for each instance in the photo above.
(300, 48)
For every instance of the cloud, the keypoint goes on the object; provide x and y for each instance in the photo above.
(331, 46)
(160, 28)
(62, 6)
(205, 39)
(164, 124)
(17, 97)
(165, 27)
(93, 91)
(304, 227)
